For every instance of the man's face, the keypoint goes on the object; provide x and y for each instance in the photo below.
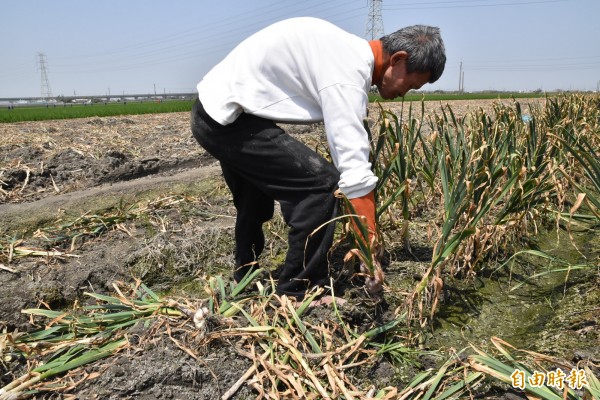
(396, 82)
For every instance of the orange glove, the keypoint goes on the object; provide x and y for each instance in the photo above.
(365, 207)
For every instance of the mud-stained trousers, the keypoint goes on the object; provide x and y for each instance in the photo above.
(261, 163)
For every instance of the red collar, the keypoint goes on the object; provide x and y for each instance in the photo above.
(377, 49)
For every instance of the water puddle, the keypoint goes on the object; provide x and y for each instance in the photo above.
(556, 314)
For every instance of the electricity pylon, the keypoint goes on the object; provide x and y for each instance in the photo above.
(375, 20)
(45, 83)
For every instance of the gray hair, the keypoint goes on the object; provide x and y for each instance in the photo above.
(425, 48)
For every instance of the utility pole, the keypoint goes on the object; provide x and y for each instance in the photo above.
(461, 79)
(375, 21)
(45, 83)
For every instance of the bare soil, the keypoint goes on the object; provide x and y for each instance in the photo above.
(56, 171)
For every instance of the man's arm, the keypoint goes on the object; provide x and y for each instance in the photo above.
(344, 109)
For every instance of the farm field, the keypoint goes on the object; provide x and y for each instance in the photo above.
(68, 111)
(102, 205)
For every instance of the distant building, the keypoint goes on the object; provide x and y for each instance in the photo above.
(81, 101)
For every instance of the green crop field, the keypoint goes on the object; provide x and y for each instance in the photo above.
(60, 111)
(19, 114)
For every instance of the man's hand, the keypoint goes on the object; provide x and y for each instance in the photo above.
(365, 207)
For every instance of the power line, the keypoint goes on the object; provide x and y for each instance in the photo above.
(563, 57)
(187, 49)
(444, 4)
(547, 68)
(207, 32)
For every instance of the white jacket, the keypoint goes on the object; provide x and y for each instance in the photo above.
(301, 70)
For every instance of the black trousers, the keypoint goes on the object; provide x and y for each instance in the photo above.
(261, 163)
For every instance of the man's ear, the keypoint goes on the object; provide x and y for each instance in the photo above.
(398, 57)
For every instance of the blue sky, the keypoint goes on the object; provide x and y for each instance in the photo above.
(134, 46)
